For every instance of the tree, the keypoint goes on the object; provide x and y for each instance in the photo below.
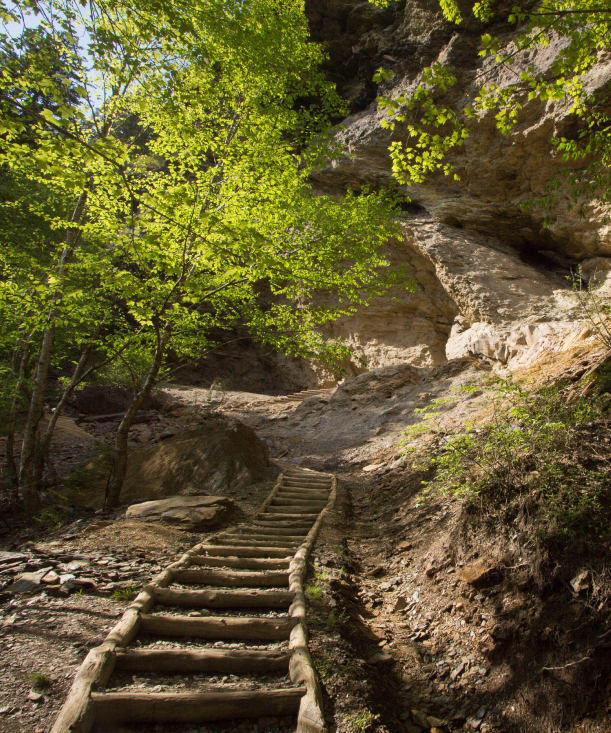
(224, 230)
(583, 31)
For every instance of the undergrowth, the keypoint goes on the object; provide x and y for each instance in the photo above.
(541, 463)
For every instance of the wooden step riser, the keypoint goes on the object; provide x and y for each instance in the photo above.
(273, 537)
(311, 504)
(239, 551)
(124, 707)
(245, 563)
(214, 628)
(223, 598)
(230, 579)
(272, 531)
(303, 495)
(263, 541)
(268, 516)
(210, 661)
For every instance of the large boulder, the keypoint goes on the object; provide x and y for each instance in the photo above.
(218, 456)
(193, 513)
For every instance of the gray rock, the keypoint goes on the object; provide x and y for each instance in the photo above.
(194, 513)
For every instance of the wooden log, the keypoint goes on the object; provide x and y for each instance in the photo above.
(77, 714)
(219, 628)
(309, 495)
(230, 579)
(238, 551)
(224, 598)
(302, 503)
(292, 510)
(263, 541)
(285, 516)
(284, 523)
(291, 540)
(193, 707)
(257, 529)
(248, 563)
(301, 669)
(189, 661)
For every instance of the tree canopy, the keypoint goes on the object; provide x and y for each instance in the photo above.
(161, 157)
(580, 31)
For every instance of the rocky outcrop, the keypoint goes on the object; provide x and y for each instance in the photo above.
(191, 513)
(492, 281)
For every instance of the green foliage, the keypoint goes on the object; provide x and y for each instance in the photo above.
(40, 680)
(314, 591)
(362, 721)
(593, 307)
(125, 594)
(337, 619)
(581, 32)
(540, 457)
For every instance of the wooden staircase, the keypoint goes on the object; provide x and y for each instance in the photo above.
(252, 577)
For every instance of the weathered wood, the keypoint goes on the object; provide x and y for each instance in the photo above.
(271, 516)
(77, 713)
(251, 541)
(193, 707)
(257, 529)
(310, 718)
(290, 540)
(224, 598)
(241, 628)
(189, 661)
(284, 523)
(238, 551)
(248, 563)
(292, 510)
(228, 578)
(302, 503)
(304, 493)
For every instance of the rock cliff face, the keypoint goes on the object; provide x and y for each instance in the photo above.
(492, 281)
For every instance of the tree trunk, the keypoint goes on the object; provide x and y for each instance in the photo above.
(42, 453)
(10, 439)
(27, 482)
(119, 469)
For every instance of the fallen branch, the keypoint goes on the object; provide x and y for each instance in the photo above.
(566, 666)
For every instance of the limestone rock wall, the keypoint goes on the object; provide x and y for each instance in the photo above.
(492, 281)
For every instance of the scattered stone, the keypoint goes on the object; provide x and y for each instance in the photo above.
(372, 467)
(382, 656)
(581, 582)
(480, 574)
(435, 723)
(421, 719)
(51, 578)
(35, 696)
(455, 673)
(6, 557)
(193, 513)
(400, 604)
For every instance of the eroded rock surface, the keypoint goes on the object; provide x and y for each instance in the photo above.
(193, 513)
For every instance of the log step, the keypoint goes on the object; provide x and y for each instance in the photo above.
(193, 707)
(292, 509)
(301, 503)
(227, 578)
(264, 541)
(238, 551)
(189, 661)
(223, 598)
(219, 628)
(272, 531)
(272, 537)
(286, 516)
(247, 563)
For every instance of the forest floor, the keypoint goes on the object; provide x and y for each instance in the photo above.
(411, 629)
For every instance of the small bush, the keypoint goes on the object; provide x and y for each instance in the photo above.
(40, 680)
(541, 460)
(125, 594)
(334, 620)
(314, 591)
(362, 721)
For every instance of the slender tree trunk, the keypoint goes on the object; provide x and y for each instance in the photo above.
(10, 439)
(119, 469)
(27, 482)
(42, 452)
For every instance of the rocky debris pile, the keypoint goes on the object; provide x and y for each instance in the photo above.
(60, 573)
(219, 456)
(193, 513)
